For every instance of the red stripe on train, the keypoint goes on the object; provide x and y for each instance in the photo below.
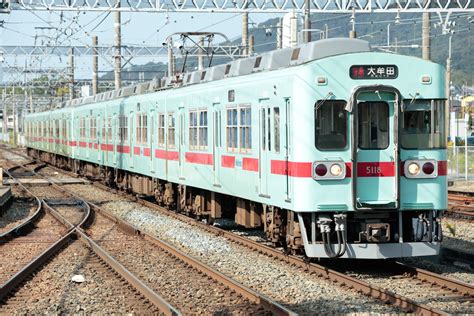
(123, 149)
(228, 161)
(250, 164)
(204, 159)
(167, 155)
(376, 169)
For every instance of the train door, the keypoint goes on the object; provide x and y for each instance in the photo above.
(115, 134)
(132, 137)
(152, 139)
(376, 183)
(286, 144)
(216, 142)
(181, 147)
(264, 145)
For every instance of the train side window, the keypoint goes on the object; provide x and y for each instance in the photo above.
(276, 128)
(264, 138)
(245, 128)
(330, 125)
(122, 129)
(161, 130)
(202, 129)
(142, 128)
(231, 130)
(373, 125)
(93, 129)
(171, 130)
(193, 130)
(109, 129)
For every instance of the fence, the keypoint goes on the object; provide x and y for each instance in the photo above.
(461, 163)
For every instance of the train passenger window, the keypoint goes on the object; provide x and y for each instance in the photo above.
(82, 128)
(161, 130)
(203, 129)
(171, 130)
(193, 130)
(93, 128)
(264, 134)
(422, 124)
(109, 129)
(373, 125)
(330, 125)
(198, 129)
(142, 128)
(245, 128)
(276, 128)
(269, 131)
(231, 130)
(123, 129)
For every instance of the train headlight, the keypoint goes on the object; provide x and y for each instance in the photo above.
(329, 170)
(336, 169)
(421, 168)
(413, 169)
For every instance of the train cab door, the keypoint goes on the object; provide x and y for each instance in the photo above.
(181, 148)
(376, 151)
(216, 142)
(133, 138)
(264, 145)
(153, 133)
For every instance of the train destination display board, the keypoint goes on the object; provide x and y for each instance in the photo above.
(373, 72)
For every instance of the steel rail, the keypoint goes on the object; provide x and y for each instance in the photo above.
(251, 295)
(438, 279)
(75, 231)
(321, 271)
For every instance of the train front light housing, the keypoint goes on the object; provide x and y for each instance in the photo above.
(336, 170)
(413, 169)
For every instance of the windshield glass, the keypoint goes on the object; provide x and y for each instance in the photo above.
(423, 124)
(330, 125)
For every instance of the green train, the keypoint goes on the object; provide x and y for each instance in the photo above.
(332, 149)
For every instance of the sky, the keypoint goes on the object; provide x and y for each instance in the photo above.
(148, 29)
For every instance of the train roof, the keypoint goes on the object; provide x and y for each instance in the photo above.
(268, 61)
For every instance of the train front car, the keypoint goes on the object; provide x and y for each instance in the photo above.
(378, 184)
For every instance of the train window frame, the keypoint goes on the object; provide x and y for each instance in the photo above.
(232, 128)
(439, 128)
(161, 130)
(318, 106)
(385, 130)
(244, 124)
(198, 129)
(93, 128)
(171, 130)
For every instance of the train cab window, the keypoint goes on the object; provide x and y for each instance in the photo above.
(330, 125)
(373, 125)
(422, 124)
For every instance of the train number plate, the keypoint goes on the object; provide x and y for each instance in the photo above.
(373, 72)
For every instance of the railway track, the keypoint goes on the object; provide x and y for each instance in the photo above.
(461, 205)
(322, 271)
(196, 278)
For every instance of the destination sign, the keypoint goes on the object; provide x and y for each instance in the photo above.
(373, 72)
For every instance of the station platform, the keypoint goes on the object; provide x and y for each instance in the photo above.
(5, 197)
(462, 185)
(45, 182)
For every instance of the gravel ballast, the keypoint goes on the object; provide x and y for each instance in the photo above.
(299, 291)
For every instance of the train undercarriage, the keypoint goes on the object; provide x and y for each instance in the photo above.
(323, 234)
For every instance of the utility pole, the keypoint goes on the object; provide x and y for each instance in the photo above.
(95, 67)
(307, 21)
(170, 58)
(245, 33)
(279, 34)
(352, 33)
(201, 53)
(14, 117)
(71, 73)
(117, 44)
(293, 31)
(251, 45)
(426, 42)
